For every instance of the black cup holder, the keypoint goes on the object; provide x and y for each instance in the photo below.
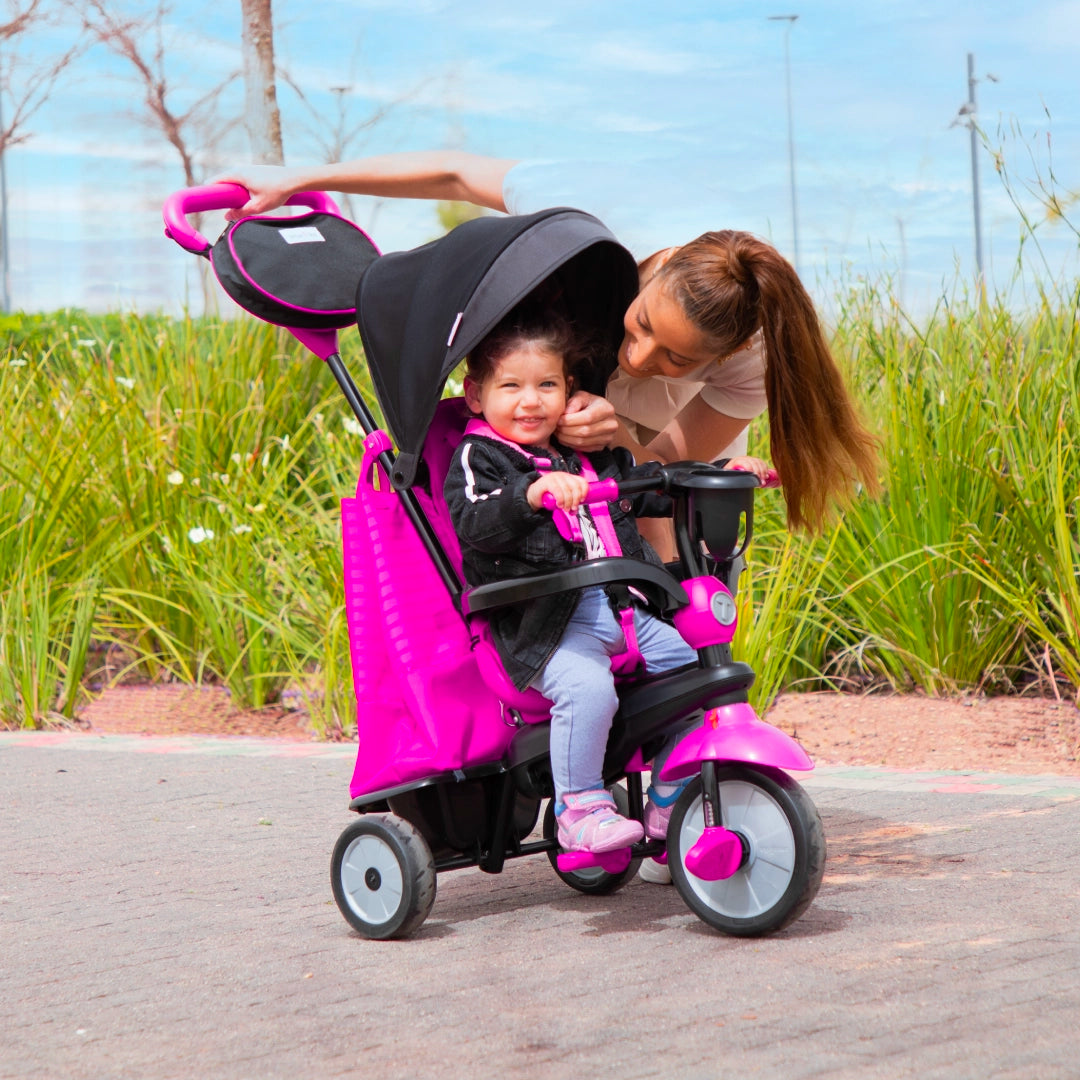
(719, 506)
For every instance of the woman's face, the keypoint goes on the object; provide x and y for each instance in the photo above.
(659, 338)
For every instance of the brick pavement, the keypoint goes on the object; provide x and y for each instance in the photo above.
(165, 911)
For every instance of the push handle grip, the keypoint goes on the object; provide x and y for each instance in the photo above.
(195, 200)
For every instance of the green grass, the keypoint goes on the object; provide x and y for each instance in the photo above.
(170, 487)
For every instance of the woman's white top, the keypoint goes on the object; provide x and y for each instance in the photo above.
(623, 199)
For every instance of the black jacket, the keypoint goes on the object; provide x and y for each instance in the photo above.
(503, 537)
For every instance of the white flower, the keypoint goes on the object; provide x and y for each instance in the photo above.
(199, 534)
(236, 459)
(19, 361)
(176, 477)
(85, 342)
(351, 426)
(239, 530)
(127, 384)
(266, 460)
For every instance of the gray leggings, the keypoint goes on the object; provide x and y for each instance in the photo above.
(578, 681)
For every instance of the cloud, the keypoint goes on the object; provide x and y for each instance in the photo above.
(643, 58)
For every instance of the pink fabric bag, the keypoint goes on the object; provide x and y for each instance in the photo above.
(422, 706)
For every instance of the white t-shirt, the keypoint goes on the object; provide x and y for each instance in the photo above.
(622, 198)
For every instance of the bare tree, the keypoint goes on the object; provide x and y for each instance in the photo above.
(343, 136)
(24, 85)
(24, 88)
(140, 41)
(260, 89)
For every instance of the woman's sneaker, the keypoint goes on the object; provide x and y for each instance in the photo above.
(656, 873)
(590, 822)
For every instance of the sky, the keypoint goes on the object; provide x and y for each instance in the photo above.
(883, 182)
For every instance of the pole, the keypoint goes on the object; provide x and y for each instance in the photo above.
(790, 19)
(5, 244)
(972, 128)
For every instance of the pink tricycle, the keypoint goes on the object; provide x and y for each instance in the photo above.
(452, 766)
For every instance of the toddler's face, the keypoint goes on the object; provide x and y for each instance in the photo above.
(523, 398)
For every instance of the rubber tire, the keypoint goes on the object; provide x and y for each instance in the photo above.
(383, 876)
(596, 881)
(753, 802)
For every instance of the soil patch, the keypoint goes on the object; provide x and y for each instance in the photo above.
(903, 731)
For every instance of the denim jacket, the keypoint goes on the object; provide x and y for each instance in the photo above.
(503, 537)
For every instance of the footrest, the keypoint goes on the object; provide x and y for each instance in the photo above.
(614, 862)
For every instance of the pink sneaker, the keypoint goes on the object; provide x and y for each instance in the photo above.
(590, 822)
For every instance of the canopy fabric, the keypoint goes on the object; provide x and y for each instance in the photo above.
(420, 312)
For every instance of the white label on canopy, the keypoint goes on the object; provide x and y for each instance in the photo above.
(306, 234)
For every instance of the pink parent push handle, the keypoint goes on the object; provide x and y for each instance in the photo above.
(222, 197)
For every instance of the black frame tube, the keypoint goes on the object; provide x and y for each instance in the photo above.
(408, 500)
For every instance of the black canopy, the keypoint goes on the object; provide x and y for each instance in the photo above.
(421, 311)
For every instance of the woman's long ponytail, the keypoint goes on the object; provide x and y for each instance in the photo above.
(731, 284)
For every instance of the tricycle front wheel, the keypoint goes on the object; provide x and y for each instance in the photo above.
(783, 851)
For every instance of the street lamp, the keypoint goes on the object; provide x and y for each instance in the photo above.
(5, 239)
(965, 116)
(789, 19)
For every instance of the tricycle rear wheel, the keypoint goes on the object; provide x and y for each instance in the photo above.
(383, 876)
(595, 881)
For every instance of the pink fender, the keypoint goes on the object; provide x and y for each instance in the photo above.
(734, 733)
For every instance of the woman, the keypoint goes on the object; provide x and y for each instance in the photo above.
(721, 328)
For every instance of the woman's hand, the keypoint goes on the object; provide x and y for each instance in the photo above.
(589, 423)
(569, 491)
(766, 474)
(268, 185)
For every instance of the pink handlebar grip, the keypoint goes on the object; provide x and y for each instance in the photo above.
(772, 477)
(222, 197)
(600, 491)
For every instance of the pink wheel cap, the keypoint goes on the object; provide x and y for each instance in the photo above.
(717, 854)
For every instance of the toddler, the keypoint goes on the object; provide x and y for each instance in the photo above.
(517, 385)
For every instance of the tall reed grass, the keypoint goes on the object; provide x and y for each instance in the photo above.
(169, 502)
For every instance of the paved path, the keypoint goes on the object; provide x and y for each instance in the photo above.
(165, 911)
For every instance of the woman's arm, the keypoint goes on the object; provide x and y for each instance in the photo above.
(697, 433)
(434, 174)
